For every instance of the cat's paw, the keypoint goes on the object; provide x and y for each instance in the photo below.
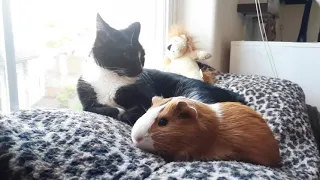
(128, 118)
(121, 112)
(114, 113)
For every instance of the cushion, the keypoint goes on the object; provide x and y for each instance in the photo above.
(314, 118)
(65, 144)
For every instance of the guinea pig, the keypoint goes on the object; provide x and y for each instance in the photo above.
(187, 130)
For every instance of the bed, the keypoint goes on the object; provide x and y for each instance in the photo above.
(66, 144)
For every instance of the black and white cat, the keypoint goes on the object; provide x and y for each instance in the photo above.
(116, 84)
(118, 60)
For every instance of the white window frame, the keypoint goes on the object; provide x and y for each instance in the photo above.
(9, 59)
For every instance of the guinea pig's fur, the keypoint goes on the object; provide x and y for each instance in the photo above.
(189, 130)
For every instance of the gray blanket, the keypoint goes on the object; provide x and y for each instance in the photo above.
(64, 144)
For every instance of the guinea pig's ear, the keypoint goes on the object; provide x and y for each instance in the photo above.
(186, 111)
(156, 99)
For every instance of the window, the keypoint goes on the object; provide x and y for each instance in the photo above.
(52, 40)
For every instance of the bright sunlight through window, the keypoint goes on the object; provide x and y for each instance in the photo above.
(52, 40)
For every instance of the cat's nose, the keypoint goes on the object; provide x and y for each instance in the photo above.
(169, 47)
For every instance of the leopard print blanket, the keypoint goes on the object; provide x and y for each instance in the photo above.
(64, 144)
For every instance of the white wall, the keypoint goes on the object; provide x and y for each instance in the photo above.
(214, 23)
(297, 62)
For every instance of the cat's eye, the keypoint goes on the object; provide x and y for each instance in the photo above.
(162, 122)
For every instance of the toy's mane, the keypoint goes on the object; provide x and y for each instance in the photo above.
(177, 30)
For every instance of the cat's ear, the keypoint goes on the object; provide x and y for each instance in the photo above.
(133, 31)
(103, 26)
(104, 30)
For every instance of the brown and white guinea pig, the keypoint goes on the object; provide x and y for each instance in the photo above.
(186, 130)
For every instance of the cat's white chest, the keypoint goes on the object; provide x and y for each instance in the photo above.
(105, 84)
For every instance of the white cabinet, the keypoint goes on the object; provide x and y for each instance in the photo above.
(297, 62)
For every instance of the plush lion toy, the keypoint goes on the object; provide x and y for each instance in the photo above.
(181, 56)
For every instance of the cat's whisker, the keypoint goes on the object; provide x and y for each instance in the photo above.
(145, 110)
(149, 78)
(143, 78)
(146, 78)
(135, 113)
(128, 119)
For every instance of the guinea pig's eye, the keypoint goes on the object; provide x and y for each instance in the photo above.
(163, 122)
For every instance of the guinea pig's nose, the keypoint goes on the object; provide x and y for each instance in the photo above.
(139, 139)
(169, 47)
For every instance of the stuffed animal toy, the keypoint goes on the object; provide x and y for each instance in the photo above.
(181, 56)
